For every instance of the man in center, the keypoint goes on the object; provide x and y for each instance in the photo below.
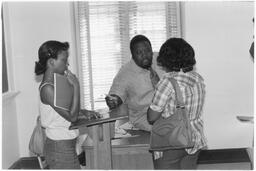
(134, 83)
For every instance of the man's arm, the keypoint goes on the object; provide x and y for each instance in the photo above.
(118, 90)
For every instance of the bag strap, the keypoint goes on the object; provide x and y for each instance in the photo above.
(178, 95)
(38, 121)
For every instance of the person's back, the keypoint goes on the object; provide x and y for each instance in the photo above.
(176, 57)
(193, 91)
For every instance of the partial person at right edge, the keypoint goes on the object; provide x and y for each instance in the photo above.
(176, 57)
(251, 50)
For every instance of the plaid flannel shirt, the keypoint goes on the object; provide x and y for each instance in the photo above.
(193, 92)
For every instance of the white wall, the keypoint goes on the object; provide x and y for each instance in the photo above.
(30, 24)
(221, 34)
(10, 141)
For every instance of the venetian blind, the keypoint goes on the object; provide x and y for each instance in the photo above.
(105, 30)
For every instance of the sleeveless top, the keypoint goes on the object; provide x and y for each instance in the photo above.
(56, 127)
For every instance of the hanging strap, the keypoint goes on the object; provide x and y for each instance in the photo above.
(178, 95)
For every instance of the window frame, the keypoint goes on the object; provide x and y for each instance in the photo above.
(11, 92)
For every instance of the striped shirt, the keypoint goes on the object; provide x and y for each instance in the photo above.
(193, 91)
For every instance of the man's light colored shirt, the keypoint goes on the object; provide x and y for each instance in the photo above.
(133, 85)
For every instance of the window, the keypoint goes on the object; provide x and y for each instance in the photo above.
(104, 30)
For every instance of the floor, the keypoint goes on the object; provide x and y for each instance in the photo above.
(225, 159)
(225, 166)
(32, 164)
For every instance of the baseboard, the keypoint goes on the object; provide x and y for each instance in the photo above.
(223, 156)
(26, 163)
(205, 157)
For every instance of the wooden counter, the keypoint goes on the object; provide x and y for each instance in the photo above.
(127, 153)
(108, 153)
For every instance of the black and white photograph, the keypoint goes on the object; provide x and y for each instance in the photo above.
(128, 85)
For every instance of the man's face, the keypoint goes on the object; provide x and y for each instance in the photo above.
(143, 54)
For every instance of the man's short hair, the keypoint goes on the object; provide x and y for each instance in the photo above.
(136, 39)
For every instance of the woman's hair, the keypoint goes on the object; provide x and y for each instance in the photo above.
(136, 39)
(176, 54)
(47, 50)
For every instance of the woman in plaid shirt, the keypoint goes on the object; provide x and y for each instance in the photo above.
(176, 57)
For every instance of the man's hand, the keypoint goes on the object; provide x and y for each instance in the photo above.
(113, 101)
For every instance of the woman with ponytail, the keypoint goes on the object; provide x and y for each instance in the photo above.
(60, 145)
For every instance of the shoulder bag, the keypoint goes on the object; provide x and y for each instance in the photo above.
(174, 132)
(36, 143)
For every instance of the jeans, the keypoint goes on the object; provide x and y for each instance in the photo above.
(61, 154)
(176, 159)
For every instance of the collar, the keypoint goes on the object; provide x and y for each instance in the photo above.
(136, 68)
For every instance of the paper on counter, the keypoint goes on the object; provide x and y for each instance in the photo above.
(128, 125)
(121, 133)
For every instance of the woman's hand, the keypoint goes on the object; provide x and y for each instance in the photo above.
(72, 79)
(88, 114)
(92, 114)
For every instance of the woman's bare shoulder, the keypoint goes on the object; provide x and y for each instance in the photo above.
(47, 93)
